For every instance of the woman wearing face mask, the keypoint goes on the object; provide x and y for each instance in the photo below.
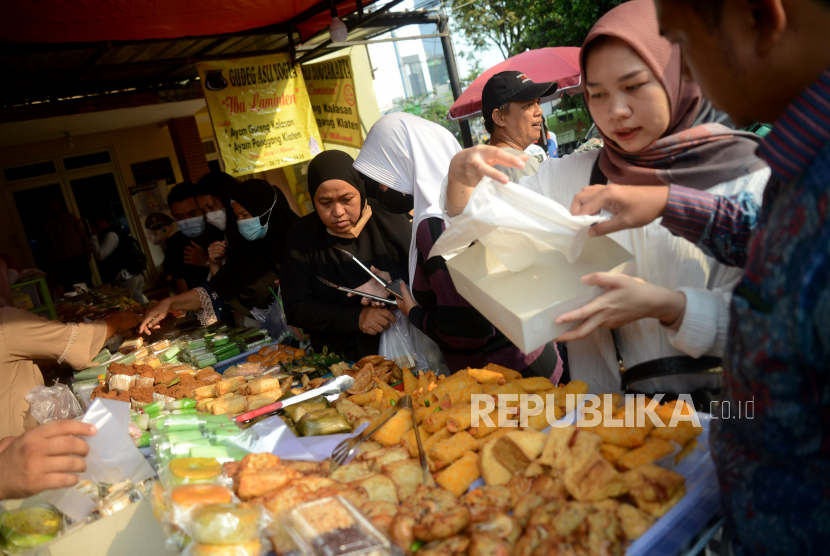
(263, 217)
(213, 194)
(656, 129)
(344, 218)
(408, 157)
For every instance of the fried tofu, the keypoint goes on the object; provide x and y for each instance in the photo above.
(651, 451)
(517, 449)
(655, 490)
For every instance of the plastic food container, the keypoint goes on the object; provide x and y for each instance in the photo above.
(333, 527)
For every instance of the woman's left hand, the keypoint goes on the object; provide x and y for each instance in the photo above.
(626, 299)
(408, 302)
(374, 288)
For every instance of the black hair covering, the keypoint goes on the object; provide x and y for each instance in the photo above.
(334, 165)
(252, 267)
(328, 316)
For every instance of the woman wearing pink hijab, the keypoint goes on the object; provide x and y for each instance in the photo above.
(657, 129)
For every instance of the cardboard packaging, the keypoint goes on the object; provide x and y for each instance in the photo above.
(525, 269)
(525, 304)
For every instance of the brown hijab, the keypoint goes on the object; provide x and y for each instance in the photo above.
(699, 156)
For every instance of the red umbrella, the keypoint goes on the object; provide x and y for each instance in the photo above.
(560, 64)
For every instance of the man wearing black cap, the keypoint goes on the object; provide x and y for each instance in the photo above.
(513, 117)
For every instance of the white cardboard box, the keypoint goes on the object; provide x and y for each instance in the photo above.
(525, 304)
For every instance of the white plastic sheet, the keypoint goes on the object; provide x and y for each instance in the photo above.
(112, 457)
(516, 225)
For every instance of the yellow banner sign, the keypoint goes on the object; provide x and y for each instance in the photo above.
(331, 90)
(260, 112)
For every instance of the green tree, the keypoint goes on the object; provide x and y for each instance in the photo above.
(501, 22)
(517, 25)
(563, 22)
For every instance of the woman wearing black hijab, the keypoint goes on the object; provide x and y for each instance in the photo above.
(263, 217)
(343, 218)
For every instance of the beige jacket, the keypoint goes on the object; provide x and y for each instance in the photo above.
(23, 337)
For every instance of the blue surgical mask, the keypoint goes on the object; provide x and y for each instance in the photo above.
(218, 218)
(192, 227)
(251, 229)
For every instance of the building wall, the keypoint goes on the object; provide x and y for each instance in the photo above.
(130, 145)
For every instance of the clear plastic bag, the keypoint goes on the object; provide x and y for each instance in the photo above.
(53, 403)
(408, 347)
(430, 351)
(274, 320)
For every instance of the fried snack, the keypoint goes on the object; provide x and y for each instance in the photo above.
(457, 381)
(458, 477)
(448, 450)
(483, 429)
(262, 460)
(422, 412)
(365, 398)
(352, 471)
(391, 432)
(442, 434)
(230, 406)
(465, 394)
(380, 488)
(203, 392)
(363, 381)
(627, 437)
(351, 411)
(407, 475)
(517, 449)
(535, 384)
(613, 453)
(436, 420)
(380, 514)
(426, 382)
(508, 374)
(410, 383)
(634, 522)
(509, 388)
(388, 393)
(576, 387)
(261, 400)
(498, 433)
(229, 385)
(484, 376)
(410, 442)
(651, 451)
(264, 384)
(540, 422)
(493, 472)
(369, 360)
(459, 417)
(255, 483)
(589, 477)
(654, 489)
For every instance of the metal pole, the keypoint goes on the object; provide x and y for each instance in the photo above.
(455, 82)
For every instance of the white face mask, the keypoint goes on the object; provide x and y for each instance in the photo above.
(218, 218)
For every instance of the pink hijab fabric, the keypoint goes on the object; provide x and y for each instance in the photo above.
(697, 156)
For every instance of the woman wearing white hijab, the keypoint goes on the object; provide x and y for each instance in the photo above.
(411, 155)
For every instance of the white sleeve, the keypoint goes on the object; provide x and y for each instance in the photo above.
(705, 321)
(105, 249)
